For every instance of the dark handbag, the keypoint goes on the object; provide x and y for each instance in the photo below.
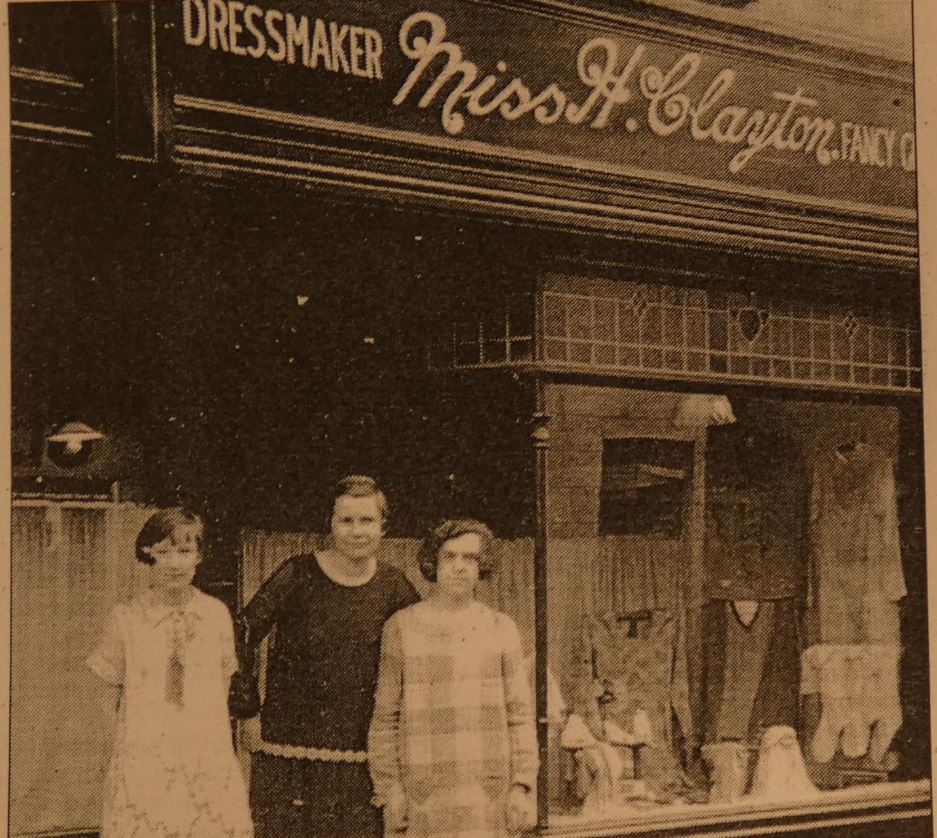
(244, 696)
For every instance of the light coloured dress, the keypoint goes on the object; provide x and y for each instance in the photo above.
(856, 577)
(452, 722)
(173, 772)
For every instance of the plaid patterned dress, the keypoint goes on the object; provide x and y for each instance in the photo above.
(452, 722)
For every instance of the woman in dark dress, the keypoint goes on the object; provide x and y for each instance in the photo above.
(309, 776)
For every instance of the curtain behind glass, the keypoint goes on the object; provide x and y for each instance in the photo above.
(70, 566)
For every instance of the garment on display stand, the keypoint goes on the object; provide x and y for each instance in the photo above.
(756, 515)
(856, 580)
(636, 662)
(629, 577)
(750, 670)
(859, 695)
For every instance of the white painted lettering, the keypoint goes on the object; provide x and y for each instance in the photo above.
(356, 51)
(908, 153)
(194, 29)
(338, 35)
(320, 46)
(890, 136)
(218, 24)
(476, 105)
(729, 125)
(716, 91)
(425, 51)
(297, 35)
(602, 79)
(235, 8)
(257, 49)
(619, 92)
(858, 150)
(272, 17)
(374, 48)
(611, 74)
(668, 107)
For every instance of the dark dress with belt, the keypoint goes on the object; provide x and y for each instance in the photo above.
(320, 679)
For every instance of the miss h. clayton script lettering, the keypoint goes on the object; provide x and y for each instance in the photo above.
(441, 76)
(788, 127)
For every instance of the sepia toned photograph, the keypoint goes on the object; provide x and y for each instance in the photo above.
(466, 419)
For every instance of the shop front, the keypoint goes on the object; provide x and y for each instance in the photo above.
(637, 289)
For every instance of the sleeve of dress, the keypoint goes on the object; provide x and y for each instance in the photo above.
(259, 616)
(107, 660)
(521, 730)
(226, 635)
(252, 625)
(384, 732)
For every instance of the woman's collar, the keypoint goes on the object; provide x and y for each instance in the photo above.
(155, 610)
(336, 575)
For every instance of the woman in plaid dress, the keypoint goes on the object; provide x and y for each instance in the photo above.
(452, 746)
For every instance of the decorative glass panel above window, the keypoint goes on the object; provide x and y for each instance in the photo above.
(644, 330)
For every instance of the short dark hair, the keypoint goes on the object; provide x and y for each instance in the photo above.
(428, 555)
(359, 486)
(161, 525)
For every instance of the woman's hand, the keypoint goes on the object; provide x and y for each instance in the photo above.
(521, 809)
(243, 696)
(395, 811)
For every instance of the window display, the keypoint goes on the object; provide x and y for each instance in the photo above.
(767, 671)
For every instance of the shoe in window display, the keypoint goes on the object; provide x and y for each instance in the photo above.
(728, 764)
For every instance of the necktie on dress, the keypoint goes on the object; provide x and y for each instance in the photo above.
(175, 667)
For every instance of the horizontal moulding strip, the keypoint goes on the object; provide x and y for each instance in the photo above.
(671, 225)
(574, 164)
(664, 374)
(542, 183)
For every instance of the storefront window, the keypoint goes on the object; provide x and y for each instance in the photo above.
(750, 659)
(668, 331)
(728, 563)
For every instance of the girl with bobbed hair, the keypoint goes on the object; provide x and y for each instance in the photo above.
(168, 655)
(452, 745)
(428, 555)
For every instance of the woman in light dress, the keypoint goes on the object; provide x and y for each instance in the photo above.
(168, 657)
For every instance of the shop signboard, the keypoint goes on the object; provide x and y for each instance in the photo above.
(493, 81)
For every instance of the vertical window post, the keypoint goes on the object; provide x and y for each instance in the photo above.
(540, 436)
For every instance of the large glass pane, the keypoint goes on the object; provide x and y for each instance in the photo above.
(725, 600)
